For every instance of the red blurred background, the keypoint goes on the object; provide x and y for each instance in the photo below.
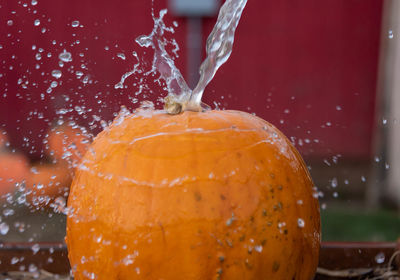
(307, 66)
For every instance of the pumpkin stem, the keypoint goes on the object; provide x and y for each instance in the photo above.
(174, 105)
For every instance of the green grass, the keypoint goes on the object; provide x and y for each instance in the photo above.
(343, 224)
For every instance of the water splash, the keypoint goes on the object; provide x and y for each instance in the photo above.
(163, 63)
(65, 56)
(135, 69)
(75, 23)
(219, 46)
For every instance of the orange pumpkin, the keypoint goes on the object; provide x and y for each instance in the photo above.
(46, 182)
(211, 195)
(14, 168)
(67, 143)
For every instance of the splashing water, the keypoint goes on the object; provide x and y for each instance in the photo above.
(163, 63)
(218, 48)
(120, 84)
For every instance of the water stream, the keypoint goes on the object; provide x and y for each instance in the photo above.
(218, 49)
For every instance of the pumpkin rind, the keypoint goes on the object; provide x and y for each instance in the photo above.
(211, 195)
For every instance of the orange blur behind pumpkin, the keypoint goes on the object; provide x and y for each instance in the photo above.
(212, 195)
(3, 139)
(14, 168)
(46, 182)
(67, 143)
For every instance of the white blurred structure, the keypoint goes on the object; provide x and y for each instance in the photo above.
(386, 181)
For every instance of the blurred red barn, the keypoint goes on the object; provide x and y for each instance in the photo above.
(307, 66)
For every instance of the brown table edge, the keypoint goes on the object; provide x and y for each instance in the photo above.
(53, 256)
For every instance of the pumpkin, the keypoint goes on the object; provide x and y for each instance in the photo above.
(197, 195)
(14, 168)
(47, 182)
(67, 143)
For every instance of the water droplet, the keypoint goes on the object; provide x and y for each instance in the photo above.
(258, 248)
(79, 110)
(56, 73)
(32, 268)
(36, 22)
(121, 55)
(75, 23)
(78, 74)
(146, 105)
(35, 248)
(363, 178)
(390, 34)
(4, 228)
(8, 212)
(14, 260)
(130, 259)
(144, 41)
(300, 223)
(66, 155)
(230, 220)
(34, 2)
(380, 258)
(300, 202)
(38, 56)
(21, 199)
(334, 183)
(65, 56)
(338, 108)
(83, 259)
(98, 239)
(10, 22)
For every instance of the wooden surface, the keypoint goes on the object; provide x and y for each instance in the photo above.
(52, 257)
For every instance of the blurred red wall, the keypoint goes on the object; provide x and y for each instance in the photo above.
(307, 66)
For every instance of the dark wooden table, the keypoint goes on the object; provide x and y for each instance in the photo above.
(334, 257)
